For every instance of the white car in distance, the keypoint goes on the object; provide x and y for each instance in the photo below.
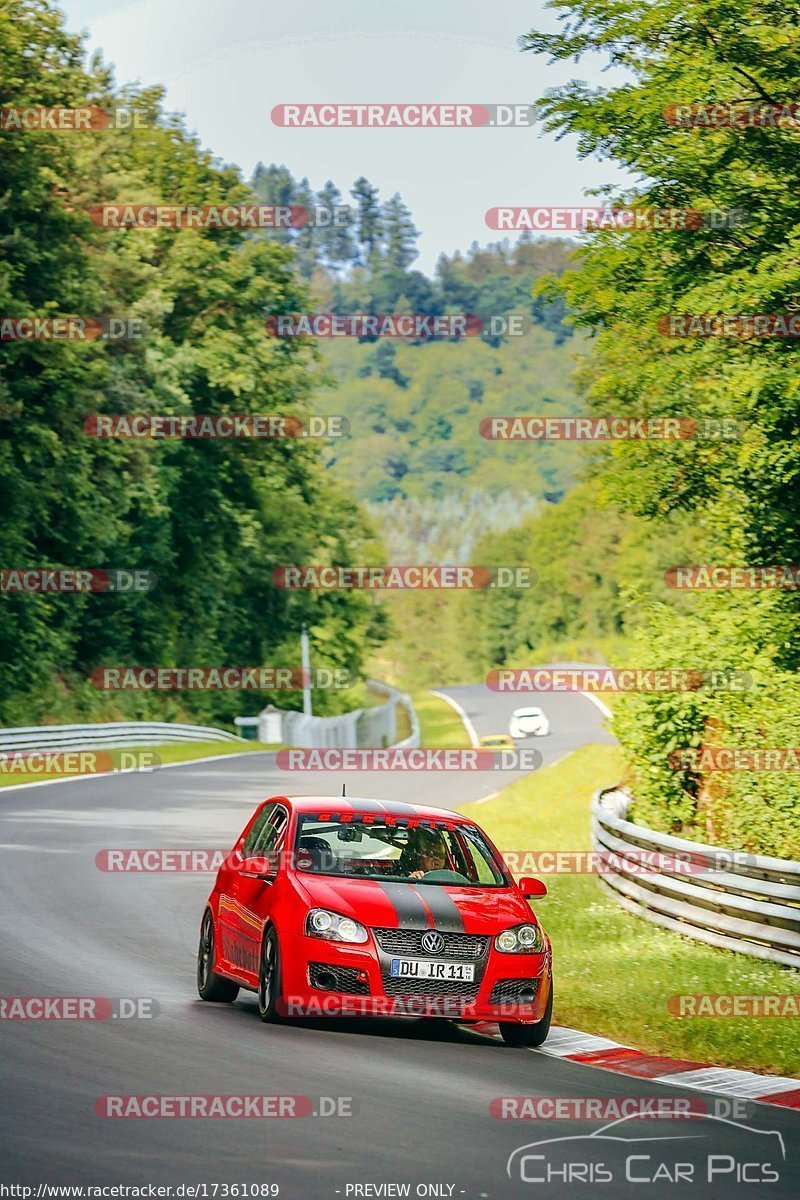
(528, 722)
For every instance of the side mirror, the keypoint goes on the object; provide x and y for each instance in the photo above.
(532, 887)
(259, 868)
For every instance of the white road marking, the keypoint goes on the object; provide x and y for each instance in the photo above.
(562, 1042)
(189, 762)
(725, 1079)
(470, 728)
(604, 709)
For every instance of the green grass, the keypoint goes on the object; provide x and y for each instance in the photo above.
(614, 971)
(441, 728)
(167, 753)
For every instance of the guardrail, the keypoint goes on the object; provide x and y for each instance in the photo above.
(405, 701)
(109, 733)
(749, 903)
(361, 728)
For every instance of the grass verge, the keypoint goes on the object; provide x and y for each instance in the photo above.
(77, 763)
(614, 972)
(441, 728)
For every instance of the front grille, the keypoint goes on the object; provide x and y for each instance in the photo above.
(431, 989)
(409, 941)
(508, 991)
(345, 979)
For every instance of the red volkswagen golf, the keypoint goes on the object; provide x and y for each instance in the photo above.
(331, 906)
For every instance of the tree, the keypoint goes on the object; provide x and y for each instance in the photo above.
(369, 223)
(400, 234)
(336, 238)
(739, 496)
(211, 518)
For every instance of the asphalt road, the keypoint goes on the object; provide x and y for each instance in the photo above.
(575, 719)
(420, 1092)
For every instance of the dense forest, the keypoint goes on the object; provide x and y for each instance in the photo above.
(721, 501)
(415, 456)
(210, 518)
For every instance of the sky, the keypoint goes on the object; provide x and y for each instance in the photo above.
(226, 63)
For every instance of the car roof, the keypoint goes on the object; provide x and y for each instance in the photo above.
(352, 804)
(527, 712)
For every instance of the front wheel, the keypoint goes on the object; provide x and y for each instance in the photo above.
(515, 1033)
(210, 985)
(269, 978)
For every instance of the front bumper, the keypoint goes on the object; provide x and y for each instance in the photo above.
(321, 978)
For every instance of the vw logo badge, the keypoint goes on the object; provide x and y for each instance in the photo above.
(432, 942)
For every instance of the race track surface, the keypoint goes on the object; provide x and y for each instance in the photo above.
(420, 1092)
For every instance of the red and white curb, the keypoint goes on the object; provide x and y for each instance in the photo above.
(602, 1052)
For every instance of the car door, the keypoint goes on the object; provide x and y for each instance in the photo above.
(246, 903)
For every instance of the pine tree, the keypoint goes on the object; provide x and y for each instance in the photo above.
(400, 233)
(335, 239)
(369, 223)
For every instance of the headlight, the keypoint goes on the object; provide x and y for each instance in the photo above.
(329, 925)
(522, 939)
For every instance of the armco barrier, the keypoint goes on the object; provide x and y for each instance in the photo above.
(363, 728)
(359, 729)
(110, 733)
(748, 902)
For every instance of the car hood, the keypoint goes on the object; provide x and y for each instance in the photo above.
(415, 905)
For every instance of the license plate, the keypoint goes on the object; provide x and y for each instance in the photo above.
(425, 968)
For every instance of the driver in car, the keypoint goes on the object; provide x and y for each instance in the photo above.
(425, 851)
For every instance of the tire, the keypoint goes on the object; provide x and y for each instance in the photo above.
(269, 978)
(517, 1033)
(210, 985)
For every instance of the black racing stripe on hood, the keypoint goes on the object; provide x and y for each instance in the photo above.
(445, 911)
(407, 904)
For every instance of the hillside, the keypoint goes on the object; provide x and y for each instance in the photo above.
(415, 456)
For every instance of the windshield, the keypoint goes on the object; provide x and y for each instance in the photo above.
(399, 852)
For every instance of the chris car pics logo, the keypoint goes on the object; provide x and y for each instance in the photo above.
(712, 1150)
